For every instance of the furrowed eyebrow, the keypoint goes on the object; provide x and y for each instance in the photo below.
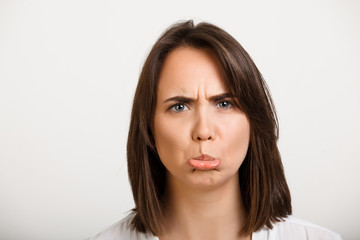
(184, 99)
(179, 99)
(219, 97)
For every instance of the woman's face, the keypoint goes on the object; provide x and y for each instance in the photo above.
(200, 136)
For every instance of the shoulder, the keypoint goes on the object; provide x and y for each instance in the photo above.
(295, 229)
(122, 230)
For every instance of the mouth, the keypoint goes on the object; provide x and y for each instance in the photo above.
(204, 162)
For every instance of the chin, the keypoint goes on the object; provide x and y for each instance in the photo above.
(206, 179)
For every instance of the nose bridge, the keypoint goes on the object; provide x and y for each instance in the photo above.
(203, 127)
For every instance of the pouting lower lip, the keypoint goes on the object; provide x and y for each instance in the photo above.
(204, 162)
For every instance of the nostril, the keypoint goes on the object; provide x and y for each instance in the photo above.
(200, 139)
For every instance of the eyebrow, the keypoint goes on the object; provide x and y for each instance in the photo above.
(184, 99)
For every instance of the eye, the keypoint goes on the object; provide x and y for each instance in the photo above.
(179, 107)
(224, 104)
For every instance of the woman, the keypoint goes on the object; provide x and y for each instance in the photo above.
(202, 156)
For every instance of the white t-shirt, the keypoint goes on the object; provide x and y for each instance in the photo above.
(291, 228)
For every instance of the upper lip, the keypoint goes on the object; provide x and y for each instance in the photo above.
(204, 157)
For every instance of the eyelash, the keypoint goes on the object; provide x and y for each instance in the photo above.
(176, 105)
(228, 102)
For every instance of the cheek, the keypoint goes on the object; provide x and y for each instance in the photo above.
(168, 139)
(236, 137)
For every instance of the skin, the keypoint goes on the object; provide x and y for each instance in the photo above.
(194, 115)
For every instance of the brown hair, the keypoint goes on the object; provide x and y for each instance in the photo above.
(264, 190)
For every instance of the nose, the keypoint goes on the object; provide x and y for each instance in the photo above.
(203, 128)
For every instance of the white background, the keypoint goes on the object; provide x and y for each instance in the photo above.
(68, 71)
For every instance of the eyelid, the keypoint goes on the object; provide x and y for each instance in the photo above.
(227, 100)
(176, 104)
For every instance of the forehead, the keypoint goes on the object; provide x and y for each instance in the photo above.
(188, 69)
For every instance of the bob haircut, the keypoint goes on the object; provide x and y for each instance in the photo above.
(264, 191)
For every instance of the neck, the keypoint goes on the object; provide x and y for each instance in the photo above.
(212, 213)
